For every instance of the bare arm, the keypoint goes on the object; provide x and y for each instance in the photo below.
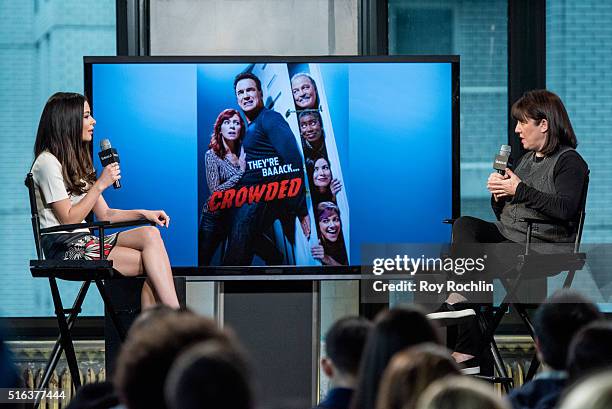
(103, 212)
(67, 213)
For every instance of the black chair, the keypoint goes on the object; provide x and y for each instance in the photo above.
(86, 271)
(530, 265)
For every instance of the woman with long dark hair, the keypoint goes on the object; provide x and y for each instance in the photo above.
(394, 330)
(323, 186)
(67, 190)
(225, 166)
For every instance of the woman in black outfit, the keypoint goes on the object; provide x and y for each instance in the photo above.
(546, 184)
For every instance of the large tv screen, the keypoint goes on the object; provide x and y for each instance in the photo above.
(282, 161)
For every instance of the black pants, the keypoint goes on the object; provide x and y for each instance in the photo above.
(474, 238)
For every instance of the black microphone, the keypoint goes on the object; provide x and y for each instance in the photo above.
(109, 155)
(501, 160)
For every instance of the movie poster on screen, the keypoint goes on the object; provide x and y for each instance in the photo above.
(270, 186)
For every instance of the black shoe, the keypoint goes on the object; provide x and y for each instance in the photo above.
(470, 367)
(452, 314)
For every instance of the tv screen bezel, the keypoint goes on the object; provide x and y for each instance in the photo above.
(293, 272)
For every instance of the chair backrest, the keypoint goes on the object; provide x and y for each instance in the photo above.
(581, 213)
(29, 182)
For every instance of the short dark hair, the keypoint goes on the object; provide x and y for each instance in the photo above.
(149, 351)
(590, 350)
(209, 374)
(542, 104)
(247, 75)
(557, 321)
(344, 343)
(311, 112)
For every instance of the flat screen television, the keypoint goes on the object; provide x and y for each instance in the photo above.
(299, 162)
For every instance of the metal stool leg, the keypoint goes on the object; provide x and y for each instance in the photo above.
(66, 338)
(58, 347)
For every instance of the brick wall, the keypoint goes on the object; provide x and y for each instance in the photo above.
(579, 55)
(42, 44)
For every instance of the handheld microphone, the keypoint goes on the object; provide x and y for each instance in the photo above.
(108, 155)
(501, 160)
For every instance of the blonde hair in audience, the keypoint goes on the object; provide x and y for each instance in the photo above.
(594, 392)
(410, 372)
(461, 392)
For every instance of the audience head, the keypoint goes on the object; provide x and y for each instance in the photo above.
(344, 344)
(410, 372)
(150, 350)
(461, 392)
(393, 331)
(593, 392)
(209, 374)
(557, 321)
(590, 350)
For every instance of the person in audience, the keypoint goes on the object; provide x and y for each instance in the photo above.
(149, 351)
(344, 343)
(304, 90)
(590, 350)
(593, 392)
(323, 186)
(555, 323)
(330, 250)
(410, 372)
(67, 190)
(209, 375)
(394, 330)
(461, 392)
(313, 136)
(102, 395)
(225, 165)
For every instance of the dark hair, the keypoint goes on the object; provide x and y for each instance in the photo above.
(344, 343)
(247, 75)
(310, 112)
(216, 139)
(148, 353)
(410, 372)
(209, 375)
(542, 104)
(60, 131)
(393, 331)
(557, 320)
(590, 350)
(310, 167)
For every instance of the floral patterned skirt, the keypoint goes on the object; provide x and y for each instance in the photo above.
(76, 246)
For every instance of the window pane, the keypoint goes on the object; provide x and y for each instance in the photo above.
(41, 52)
(578, 50)
(254, 27)
(477, 31)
